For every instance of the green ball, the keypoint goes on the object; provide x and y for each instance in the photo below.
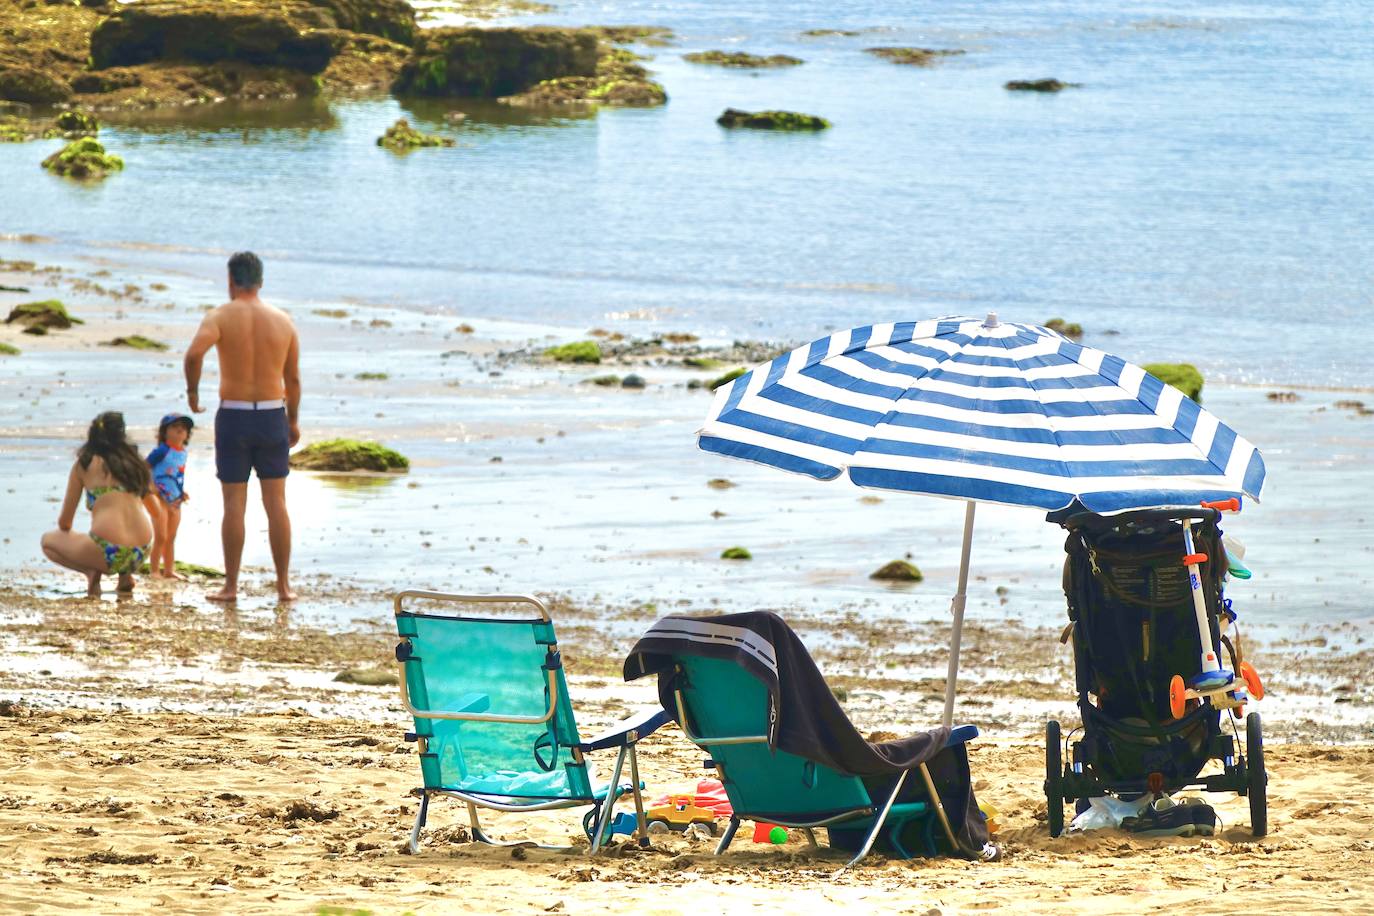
(777, 836)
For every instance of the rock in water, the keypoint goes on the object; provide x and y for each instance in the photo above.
(1050, 85)
(741, 59)
(633, 381)
(1071, 330)
(736, 553)
(349, 455)
(771, 120)
(618, 80)
(401, 137)
(210, 32)
(914, 57)
(85, 158)
(1183, 376)
(898, 571)
(75, 124)
(490, 63)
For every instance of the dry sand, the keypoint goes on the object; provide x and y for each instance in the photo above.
(204, 814)
(108, 809)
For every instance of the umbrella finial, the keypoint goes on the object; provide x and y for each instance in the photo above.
(991, 321)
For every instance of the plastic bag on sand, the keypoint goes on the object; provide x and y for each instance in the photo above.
(1105, 811)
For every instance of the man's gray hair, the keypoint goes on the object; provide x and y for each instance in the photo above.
(245, 270)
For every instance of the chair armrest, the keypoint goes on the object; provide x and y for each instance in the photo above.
(961, 734)
(633, 729)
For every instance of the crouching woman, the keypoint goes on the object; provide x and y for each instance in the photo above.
(115, 478)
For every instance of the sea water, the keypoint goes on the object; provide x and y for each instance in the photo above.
(1204, 196)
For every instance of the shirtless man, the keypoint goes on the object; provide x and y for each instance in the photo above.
(255, 426)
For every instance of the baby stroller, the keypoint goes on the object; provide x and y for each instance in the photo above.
(1142, 588)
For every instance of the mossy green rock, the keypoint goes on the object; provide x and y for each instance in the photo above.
(85, 158)
(490, 63)
(771, 120)
(50, 313)
(137, 342)
(741, 59)
(736, 553)
(368, 677)
(1183, 376)
(581, 351)
(604, 381)
(726, 379)
(349, 455)
(897, 571)
(702, 362)
(77, 124)
(372, 376)
(8, 349)
(914, 57)
(401, 137)
(1071, 330)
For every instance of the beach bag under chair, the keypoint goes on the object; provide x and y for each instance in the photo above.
(1135, 636)
(744, 688)
(493, 720)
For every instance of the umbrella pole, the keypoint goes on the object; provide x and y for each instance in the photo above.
(957, 606)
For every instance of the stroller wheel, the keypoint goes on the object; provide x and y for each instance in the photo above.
(1054, 778)
(1178, 696)
(1256, 779)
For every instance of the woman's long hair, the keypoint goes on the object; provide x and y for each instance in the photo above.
(107, 438)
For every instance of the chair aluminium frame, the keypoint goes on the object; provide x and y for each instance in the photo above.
(623, 735)
(835, 820)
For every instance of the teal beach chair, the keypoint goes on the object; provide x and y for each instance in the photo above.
(493, 720)
(723, 709)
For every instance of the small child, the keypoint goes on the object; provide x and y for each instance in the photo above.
(168, 464)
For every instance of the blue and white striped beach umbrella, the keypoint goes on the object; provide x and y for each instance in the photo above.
(979, 410)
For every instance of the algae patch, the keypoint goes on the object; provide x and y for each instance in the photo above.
(136, 342)
(349, 455)
(50, 313)
(581, 351)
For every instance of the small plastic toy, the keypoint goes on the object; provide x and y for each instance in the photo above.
(679, 814)
(769, 833)
(1214, 683)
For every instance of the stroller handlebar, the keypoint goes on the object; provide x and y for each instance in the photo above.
(1204, 513)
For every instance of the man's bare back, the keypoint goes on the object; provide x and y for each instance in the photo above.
(255, 342)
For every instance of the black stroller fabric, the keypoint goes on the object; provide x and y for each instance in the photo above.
(805, 718)
(1134, 628)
